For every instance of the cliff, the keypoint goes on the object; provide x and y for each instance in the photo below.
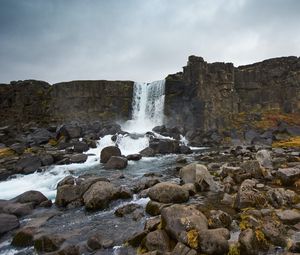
(219, 96)
(38, 101)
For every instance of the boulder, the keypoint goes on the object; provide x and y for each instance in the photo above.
(164, 146)
(185, 149)
(17, 209)
(19, 148)
(178, 220)
(166, 192)
(8, 222)
(264, 158)
(289, 175)
(135, 211)
(78, 158)
(289, 216)
(116, 162)
(198, 175)
(134, 157)
(181, 249)
(249, 196)
(32, 196)
(253, 168)
(108, 152)
(28, 164)
(69, 131)
(80, 147)
(154, 208)
(39, 136)
(97, 241)
(46, 159)
(219, 219)
(158, 240)
(48, 242)
(24, 237)
(147, 152)
(99, 195)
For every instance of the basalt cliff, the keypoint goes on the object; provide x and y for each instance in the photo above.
(205, 96)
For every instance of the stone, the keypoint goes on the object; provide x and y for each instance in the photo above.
(178, 220)
(8, 222)
(154, 208)
(96, 242)
(288, 175)
(18, 148)
(137, 238)
(24, 237)
(136, 211)
(147, 152)
(80, 147)
(116, 162)
(31, 196)
(185, 149)
(48, 242)
(18, 209)
(253, 167)
(280, 197)
(134, 157)
(164, 146)
(28, 164)
(289, 216)
(108, 152)
(219, 219)
(198, 175)
(69, 131)
(181, 249)
(248, 196)
(39, 136)
(264, 158)
(214, 241)
(190, 187)
(78, 158)
(151, 224)
(158, 240)
(99, 195)
(166, 192)
(46, 159)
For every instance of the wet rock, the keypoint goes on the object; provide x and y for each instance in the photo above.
(48, 242)
(154, 208)
(32, 196)
(19, 148)
(147, 152)
(99, 195)
(137, 238)
(152, 224)
(145, 183)
(251, 242)
(289, 216)
(8, 222)
(108, 152)
(17, 209)
(219, 219)
(80, 147)
(97, 241)
(39, 136)
(116, 162)
(164, 146)
(198, 175)
(185, 149)
(28, 164)
(46, 159)
(190, 187)
(158, 240)
(78, 158)
(264, 158)
(134, 157)
(167, 192)
(288, 175)
(248, 196)
(179, 219)
(181, 249)
(24, 237)
(124, 192)
(214, 241)
(71, 189)
(136, 211)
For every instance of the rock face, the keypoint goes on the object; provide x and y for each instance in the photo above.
(208, 96)
(40, 102)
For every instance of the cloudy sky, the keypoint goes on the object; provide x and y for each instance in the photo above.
(141, 40)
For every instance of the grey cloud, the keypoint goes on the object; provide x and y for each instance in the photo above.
(139, 40)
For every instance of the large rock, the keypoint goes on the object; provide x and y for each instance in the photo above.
(78, 158)
(99, 195)
(198, 175)
(32, 196)
(116, 162)
(48, 242)
(71, 190)
(69, 131)
(8, 222)
(289, 216)
(164, 146)
(249, 196)
(178, 220)
(24, 237)
(108, 152)
(28, 164)
(167, 192)
(289, 175)
(39, 136)
(264, 158)
(158, 240)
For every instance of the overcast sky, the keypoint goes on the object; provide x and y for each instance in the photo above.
(141, 40)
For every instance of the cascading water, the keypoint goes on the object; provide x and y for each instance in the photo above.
(147, 107)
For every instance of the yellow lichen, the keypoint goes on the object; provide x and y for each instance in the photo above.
(28, 150)
(192, 238)
(234, 250)
(141, 250)
(292, 142)
(6, 152)
(53, 142)
(260, 237)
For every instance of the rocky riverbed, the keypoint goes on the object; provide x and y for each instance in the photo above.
(145, 194)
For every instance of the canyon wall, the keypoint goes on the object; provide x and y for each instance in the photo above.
(215, 96)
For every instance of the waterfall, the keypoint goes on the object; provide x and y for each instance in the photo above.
(147, 107)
